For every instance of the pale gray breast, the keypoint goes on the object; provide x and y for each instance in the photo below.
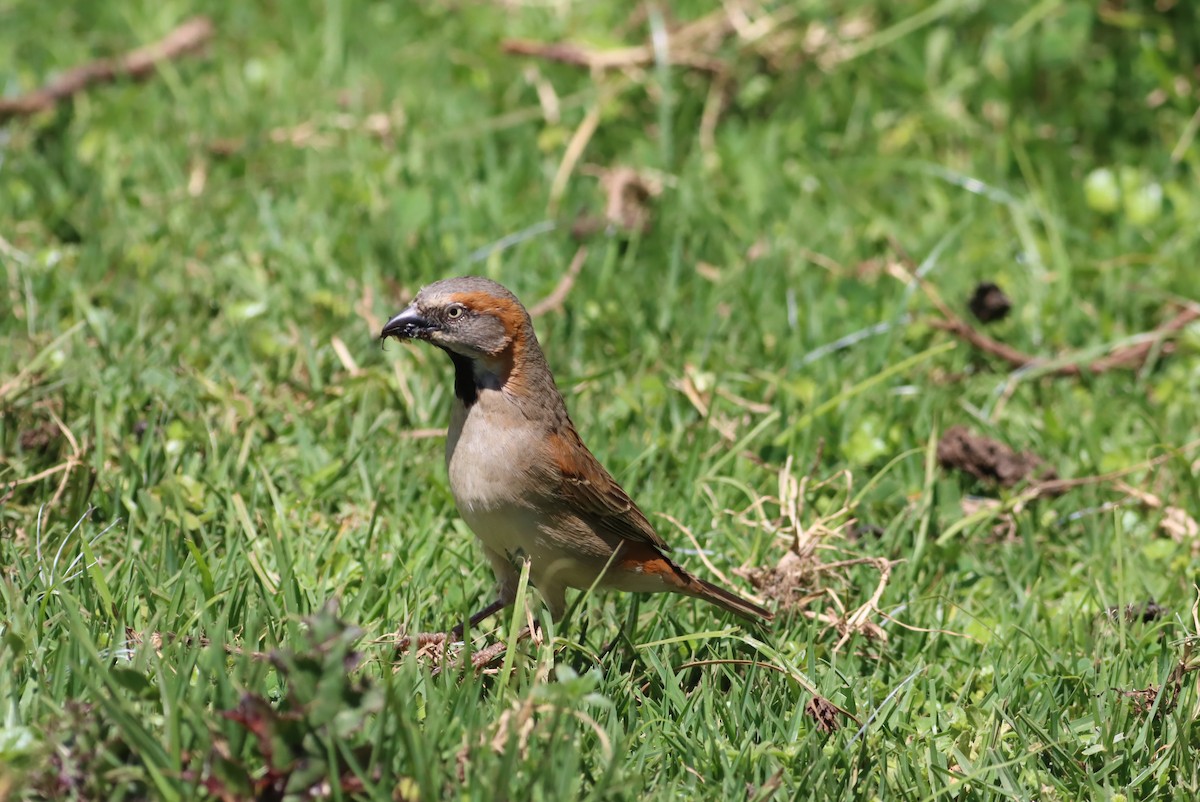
(506, 490)
(492, 455)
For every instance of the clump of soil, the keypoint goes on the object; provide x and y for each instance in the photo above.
(989, 303)
(790, 583)
(990, 460)
(39, 438)
(1145, 612)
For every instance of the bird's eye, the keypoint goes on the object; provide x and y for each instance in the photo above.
(455, 311)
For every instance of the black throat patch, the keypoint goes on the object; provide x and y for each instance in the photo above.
(464, 379)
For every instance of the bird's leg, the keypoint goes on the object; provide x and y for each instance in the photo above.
(491, 609)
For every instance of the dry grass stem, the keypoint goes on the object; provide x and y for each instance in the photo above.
(802, 576)
(138, 64)
(1131, 355)
(554, 301)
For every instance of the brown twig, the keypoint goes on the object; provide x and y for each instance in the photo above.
(689, 45)
(558, 295)
(1132, 355)
(693, 45)
(136, 65)
(580, 55)
(681, 43)
(1053, 487)
(1124, 356)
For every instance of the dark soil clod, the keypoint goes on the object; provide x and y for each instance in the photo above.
(790, 584)
(989, 303)
(989, 460)
(824, 713)
(39, 438)
(1145, 612)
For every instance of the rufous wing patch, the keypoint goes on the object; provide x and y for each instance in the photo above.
(643, 558)
(595, 494)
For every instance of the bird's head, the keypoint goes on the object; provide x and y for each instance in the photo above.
(486, 332)
(470, 317)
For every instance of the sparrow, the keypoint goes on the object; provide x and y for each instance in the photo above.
(521, 477)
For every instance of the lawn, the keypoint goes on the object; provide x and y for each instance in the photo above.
(753, 231)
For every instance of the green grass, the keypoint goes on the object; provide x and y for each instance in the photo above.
(169, 322)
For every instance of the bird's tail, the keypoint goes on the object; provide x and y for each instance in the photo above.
(727, 600)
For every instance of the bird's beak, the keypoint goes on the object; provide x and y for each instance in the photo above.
(408, 325)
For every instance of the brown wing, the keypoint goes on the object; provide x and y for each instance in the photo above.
(591, 489)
